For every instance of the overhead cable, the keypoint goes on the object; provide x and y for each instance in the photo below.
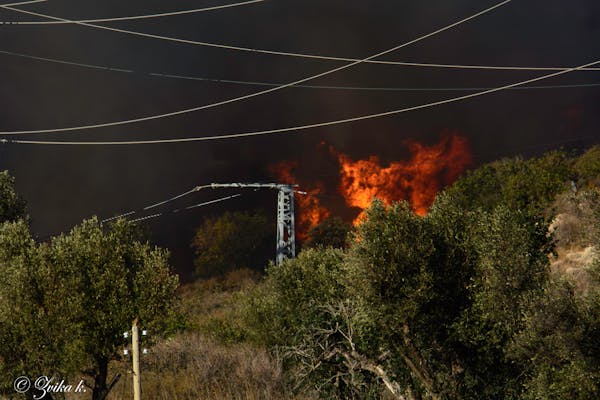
(186, 208)
(301, 127)
(321, 87)
(255, 186)
(22, 3)
(294, 54)
(154, 205)
(130, 18)
(256, 94)
(163, 213)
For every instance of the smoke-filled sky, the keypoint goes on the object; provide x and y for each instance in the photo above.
(64, 184)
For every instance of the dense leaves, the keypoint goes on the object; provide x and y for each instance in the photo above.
(587, 167)
(459, 304)
(332, 232)
(560, 345)
(37, 334)
(64, 305)
(12, 206)
(231, 241)
(527, 185)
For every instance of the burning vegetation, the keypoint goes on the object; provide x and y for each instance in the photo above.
(417, 179)
(311, 211)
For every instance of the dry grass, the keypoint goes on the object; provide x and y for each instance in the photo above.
(576, 229)
(577, 219)
(208, 299)
(190, 366)
(574, 264)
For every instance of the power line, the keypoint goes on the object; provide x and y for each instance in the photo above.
(22, 3)
(255, 186)
(256, 94)
(65, 62)
(210, 202)
(302, 127)
(134, 17)
(258, 83)
(186, 208)
(184, 194)
(377, 88)
(118, 216)
(163, 213)
(196, 189)
(294, 54)
(145, 218)
(154, 205)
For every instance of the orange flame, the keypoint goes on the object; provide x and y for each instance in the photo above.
(310, 211)
(417, 180)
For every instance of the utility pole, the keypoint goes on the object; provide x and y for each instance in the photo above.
(135, 353)
(286, 237)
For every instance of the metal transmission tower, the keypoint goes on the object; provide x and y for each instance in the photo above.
(286, 237)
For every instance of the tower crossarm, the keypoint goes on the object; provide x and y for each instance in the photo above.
(277, 186)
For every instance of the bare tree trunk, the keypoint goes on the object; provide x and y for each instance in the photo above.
(417, 365)
(100, 386)
(390, 384)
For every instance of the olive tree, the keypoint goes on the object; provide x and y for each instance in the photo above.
(65, 305)
(38, 335)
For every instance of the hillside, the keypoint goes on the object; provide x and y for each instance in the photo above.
(529, 267)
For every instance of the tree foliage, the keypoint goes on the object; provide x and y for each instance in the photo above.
(332, 232)
(290, 293)
(231, 241)
(459, 304)
(512, 267)
(12, 205)
(587, 167)
(297, 311)
(526, 185)
(65, 304)
(559, 347)
(37, 333)
(420, 307)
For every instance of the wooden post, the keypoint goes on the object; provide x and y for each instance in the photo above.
(135, 352)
